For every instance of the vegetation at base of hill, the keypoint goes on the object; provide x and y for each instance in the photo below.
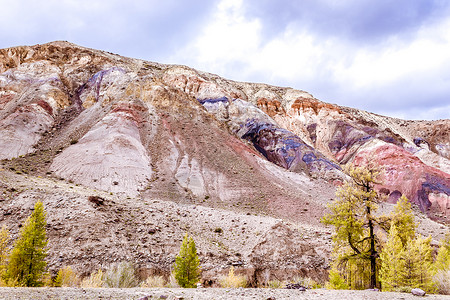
(153, 282)
(186, 267)
(356, 245)
(66, 277)
(122, 275)
(95, 280)
(442, 267)
(403, 259)
(26, 262)
(232, 280)
(4, 240)
(361, 259)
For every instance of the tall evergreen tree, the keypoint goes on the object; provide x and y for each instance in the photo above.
(4, 240)
(27, 260)
(186, 267)
(443, 256)
(406, 260)
(393, 268)
(403, 219)
(418, 257)
(441, 267)
(352, 215)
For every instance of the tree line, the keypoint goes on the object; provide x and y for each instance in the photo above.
(385, 252)
(25, 264)
(369, 250)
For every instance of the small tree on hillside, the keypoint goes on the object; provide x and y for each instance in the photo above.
(393, 268)
(418, 257)
(352, 215)
(406, 260)
(441, 268)
(186, 267)
(443, 257)
(402, 230)
(403, 219)
(27, 260)
(4, 240)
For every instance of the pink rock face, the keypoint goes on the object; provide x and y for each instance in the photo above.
(194, 152)
(405, 173)
(5, 98)
(122, 125)
(23, 128)
(109, 157)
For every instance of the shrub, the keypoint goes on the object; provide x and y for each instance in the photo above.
(307, 282)
(442, 278)
(47, 280)
(172, 282)
(153, 282)
(66, 277)
(95, 280)
(232, 280)
(121, 275)
(276, 284)
(336, 282)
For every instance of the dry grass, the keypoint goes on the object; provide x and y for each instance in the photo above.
(307, 282)
(95, 280)
(66, 277)
(232, 280)
(153, 282)
(442, 278)
(276, 284)
(121, 275)
(172, 282)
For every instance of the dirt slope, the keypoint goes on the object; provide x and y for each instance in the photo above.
(247, 169)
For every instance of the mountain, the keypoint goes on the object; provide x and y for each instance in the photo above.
(128, 155)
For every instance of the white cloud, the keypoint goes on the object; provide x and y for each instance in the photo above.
(228, 38)
(232, 46)
(396, 60)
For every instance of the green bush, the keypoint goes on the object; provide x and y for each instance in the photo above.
(336, 282)
(307, 282)
(402, 289)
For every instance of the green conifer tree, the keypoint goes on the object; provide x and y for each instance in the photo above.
(393, 268)
(418, 257)
(186, 267)
(4, 240)
(352, 215)
(442, 262)
(403, 219)
(27, 260)
(441, 267)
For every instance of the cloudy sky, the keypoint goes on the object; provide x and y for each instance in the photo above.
(384, 56)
